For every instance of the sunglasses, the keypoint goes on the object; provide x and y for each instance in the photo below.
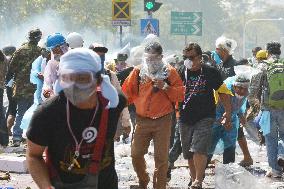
(189, 57)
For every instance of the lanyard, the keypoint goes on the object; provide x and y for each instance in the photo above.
(196, 84)
(78, 145)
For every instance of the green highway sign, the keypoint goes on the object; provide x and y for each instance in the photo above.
(186, 23)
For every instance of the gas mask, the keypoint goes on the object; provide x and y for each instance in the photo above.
(188, 63)
(239, 96)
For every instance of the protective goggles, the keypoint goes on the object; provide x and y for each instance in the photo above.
(152, 57)
(82, 80)
(63, 47)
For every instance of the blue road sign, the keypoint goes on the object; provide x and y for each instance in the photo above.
(149, 26)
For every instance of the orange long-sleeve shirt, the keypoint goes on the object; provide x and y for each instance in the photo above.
(153, 104)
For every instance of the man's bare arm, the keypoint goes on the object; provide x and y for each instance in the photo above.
(37, 166)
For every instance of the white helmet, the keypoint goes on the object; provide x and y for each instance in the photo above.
(75, 40)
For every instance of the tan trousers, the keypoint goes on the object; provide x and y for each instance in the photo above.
(159, 130)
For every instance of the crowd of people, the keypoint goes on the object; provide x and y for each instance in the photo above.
(71, 105)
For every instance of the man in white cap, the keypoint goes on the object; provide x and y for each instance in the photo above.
(75, 129)
(101, 50)
(225, 48)
(74, 40)
(224, 140)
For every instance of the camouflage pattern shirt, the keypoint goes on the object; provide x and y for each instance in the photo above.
(256, 95)
(20, 65)
(3, 71)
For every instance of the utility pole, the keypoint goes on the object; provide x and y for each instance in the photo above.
(120, 34)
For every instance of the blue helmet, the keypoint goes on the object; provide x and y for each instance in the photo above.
(55, 40)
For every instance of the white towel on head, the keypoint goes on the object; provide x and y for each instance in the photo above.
(109, 92)
(80, 59)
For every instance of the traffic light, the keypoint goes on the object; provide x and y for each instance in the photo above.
(151, 5)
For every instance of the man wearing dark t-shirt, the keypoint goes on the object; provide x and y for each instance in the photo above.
(225, 48)
(197, 111)
(122, 75)
(76, 128)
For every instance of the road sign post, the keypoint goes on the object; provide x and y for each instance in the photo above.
(186, 23)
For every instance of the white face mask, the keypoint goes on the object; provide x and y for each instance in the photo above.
(188, 63)
(76, 95)
(239, 96)
(57, 57)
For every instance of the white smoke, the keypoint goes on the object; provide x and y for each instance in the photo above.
(50, 22)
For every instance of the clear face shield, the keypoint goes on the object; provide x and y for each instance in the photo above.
(153, 58)
(64, 48)
(59, 50)
(154, 62)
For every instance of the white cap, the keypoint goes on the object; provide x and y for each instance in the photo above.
(228, 44)
(75, 40)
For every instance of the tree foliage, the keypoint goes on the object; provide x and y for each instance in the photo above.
(219, 17)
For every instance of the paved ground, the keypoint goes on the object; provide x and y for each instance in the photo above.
(180, 176)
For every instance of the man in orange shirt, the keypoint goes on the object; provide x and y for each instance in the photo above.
(153, 87)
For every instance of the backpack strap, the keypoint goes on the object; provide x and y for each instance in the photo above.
(53, 174)
(101, 138)
(138, 79)
(264, 90)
